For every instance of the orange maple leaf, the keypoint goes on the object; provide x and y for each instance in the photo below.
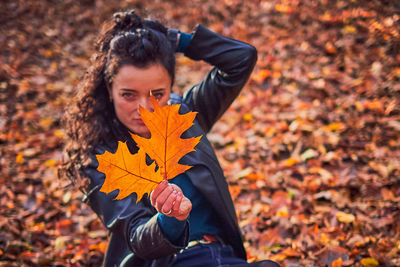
(127, 172)
(166, 146)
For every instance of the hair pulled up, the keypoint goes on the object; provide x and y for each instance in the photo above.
(91, 121)
(137, 42)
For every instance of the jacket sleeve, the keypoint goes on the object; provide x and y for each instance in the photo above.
(233, 63)
(136, 223)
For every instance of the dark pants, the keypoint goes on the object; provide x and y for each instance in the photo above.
(214, 255)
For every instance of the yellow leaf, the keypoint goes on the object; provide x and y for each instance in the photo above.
(369, 262)
(20, 158)
(345, 217)
(350, 29)
(59, 133)
(283, 212)
(337, 262)
(165, 146)
(283, 8)
(324, 238)
(127, 172)
(46, 122)
(247, 117)
(102, 246)
(290, 162)
(50, 162)
(38, 227)
(336, 126)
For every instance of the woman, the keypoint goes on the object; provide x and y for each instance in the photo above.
(190, 220)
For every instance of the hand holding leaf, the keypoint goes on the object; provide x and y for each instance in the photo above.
(169, 200)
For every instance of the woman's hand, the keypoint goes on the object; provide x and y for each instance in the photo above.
(169, 200)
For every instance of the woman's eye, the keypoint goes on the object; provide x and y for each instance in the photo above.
(158, 95)
(127, 95)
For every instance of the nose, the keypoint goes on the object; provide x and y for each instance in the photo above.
(145, 102)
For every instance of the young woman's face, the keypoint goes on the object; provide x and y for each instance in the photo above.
(131, 88)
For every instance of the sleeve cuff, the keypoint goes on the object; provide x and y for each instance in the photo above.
(184, 41)
(171, 227)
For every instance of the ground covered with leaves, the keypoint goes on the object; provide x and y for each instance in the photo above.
(310, 148)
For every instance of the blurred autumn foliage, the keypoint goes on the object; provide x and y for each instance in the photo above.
(310, 148)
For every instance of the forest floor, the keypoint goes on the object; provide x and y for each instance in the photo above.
(310, 148)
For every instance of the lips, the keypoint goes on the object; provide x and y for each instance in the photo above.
(138, 121)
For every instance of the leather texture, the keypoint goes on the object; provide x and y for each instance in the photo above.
(135, 236)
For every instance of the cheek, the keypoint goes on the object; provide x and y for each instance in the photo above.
(123, 109)
(164, 100)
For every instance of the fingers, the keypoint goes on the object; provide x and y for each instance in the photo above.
(177, 203)
(177, 188)
(184, 208)
(169, 200)
(159, 189)
(162, 197)
(169, 203)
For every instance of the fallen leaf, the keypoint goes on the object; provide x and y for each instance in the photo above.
(308, 154)
(283, 212)
(337, 262)
(20, 158)
(349, 29)
(369, 262)
(50, 162)
(291, 161)
(260, 76)
(283, 8)
(345, 217)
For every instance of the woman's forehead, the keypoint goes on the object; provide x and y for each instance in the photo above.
(153, 77)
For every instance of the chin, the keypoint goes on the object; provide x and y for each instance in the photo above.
(144, 133)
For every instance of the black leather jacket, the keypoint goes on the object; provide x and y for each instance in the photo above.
(135, 236)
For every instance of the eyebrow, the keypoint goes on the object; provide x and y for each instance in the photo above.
(153, 91)
(158, 90)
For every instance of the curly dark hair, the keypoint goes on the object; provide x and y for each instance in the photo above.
(91, 120)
